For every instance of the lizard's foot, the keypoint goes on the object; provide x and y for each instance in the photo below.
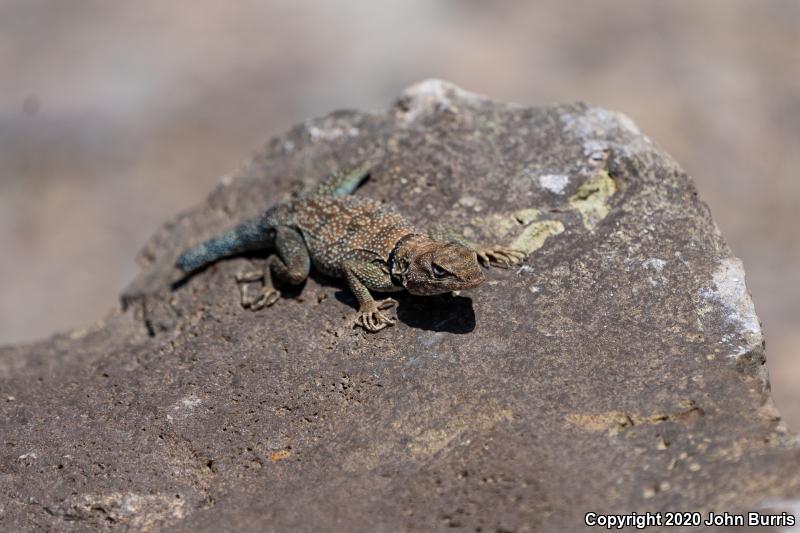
(267, 296)
(249, 277)
(370, 317)
(500, 256)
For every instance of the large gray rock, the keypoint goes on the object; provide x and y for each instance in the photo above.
(621, 368)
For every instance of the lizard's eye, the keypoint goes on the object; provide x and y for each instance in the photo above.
(438, 271)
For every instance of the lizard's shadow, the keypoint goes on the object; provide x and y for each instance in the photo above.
(445, 312)
(441, 313)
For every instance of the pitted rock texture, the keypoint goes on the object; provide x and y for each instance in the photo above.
(621, 368)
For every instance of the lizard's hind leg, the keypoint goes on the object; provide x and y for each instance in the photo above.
(343, 182)
(290, 264)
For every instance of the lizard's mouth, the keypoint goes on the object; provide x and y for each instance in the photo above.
(472, 282)
(443, 286)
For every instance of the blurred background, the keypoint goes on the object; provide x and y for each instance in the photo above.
(115, 116)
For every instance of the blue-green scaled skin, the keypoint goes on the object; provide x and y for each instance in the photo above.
(367, 243)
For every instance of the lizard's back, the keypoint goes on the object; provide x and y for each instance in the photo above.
(337, 228)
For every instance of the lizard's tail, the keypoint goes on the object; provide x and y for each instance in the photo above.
(246, 237)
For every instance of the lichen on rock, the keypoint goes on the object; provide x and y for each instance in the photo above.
(591, 198)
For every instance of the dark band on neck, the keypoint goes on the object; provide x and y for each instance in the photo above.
(393, 254)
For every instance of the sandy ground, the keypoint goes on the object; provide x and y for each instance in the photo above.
(114, 117)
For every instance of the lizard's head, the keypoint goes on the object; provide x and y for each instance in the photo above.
(425, 266)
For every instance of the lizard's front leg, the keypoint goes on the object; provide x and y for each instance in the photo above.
(360, 277)
(498, 255)
(495, 255)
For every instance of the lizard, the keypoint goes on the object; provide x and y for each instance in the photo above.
(368, 243)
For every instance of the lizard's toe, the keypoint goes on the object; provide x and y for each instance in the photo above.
(247, 277)
(500, 257)
(373, 320)
(267, 298)
(516, 255)
(386, 303)
(510, 256)
(493, 258)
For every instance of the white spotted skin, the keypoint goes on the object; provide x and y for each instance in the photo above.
(347, 227)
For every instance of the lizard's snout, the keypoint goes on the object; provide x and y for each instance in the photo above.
(475, 279)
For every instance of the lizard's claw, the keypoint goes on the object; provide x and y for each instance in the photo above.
(500, 256)
(249, 277)
(372, 319)
(267, 297)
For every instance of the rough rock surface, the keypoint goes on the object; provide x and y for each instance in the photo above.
(621, 368)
